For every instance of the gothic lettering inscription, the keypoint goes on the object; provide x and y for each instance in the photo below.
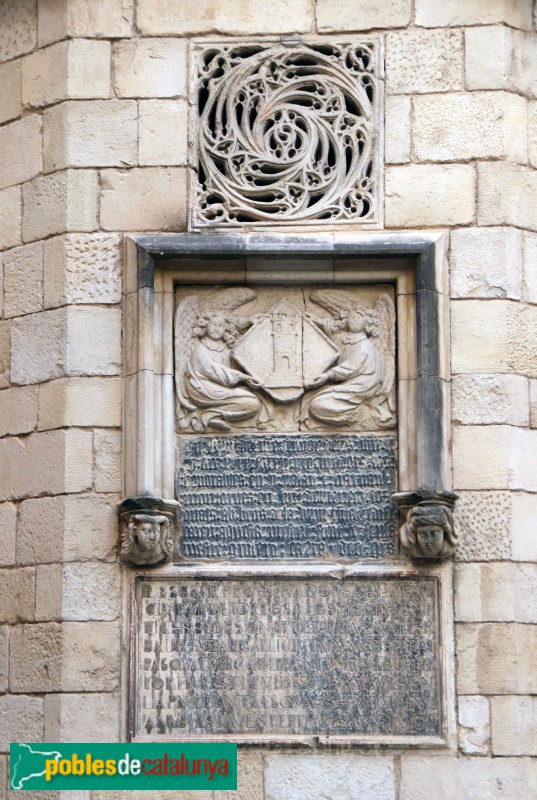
(285, 496)
(327, 657)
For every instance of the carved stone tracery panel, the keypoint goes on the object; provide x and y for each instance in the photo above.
(287, 133)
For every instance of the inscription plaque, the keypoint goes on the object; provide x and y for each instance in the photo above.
(353, 656)
(285, 496)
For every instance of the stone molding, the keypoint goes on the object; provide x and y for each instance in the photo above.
(414, 262)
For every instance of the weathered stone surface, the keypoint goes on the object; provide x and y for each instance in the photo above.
(161, 17)
(533, 403)
(163, 132)
(397, 129)
(514, 66)
(21, 148)
(107, 461)
(529, 283)
(348, 16)
(524, 539)
(17, 595)
(91, 133)
(10, 80)
(523, 340)
(5, 353)
(450, 778)
(82, 718)
(38, 347)
(310, 675)
(474, 725)
(94, 341)
(431, 14)
(91, 591)
(483, 523)
(48, 593)
(250, 777)
(496, 658)
(490, 399)
(18, 30)
(293, 777)
(482, 457)
(98, 19)
(35, 663)
(83, 402)
(65, 201)
(514, 726)
(430, 195)
(492, 124)
(18, 410)
(72, 341)
(8, 526)
(21, 720)
(68, 528)
(486, 262)
(90, 528)
(143, 199)
(494, 457)
(10, 217)
(82, 268)
(46, 463)
(40, 535)
(420, 61)
(487, 326)
(23, 280)
(150, 68)
(496, 593)
(507, 195)
(66, 70)
(4, 658)
(532, 133)
(91, 656)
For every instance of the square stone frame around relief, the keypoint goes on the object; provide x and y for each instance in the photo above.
(414, 263)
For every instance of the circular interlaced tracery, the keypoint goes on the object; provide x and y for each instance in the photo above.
(286, 135)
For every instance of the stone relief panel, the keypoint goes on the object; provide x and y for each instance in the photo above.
(287, 133)
(285, 360)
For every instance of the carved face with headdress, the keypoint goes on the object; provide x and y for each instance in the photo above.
(430, 532)
(147, 539)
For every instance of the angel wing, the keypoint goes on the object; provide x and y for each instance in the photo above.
(228, 299)
(185, 319)
(385, 341)
(333, 300)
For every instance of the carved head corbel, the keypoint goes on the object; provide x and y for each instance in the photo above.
(427, 532)
(147, 530)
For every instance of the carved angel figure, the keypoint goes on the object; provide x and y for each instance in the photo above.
(207, 386)
(360, 390)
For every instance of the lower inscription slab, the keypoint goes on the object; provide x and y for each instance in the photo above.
(285, 496)
(320, 656)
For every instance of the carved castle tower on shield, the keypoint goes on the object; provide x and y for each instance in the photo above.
(286, 346)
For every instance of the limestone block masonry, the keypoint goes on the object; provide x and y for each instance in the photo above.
(100, 163)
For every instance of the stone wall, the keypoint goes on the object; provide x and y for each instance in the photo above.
(93, 144)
